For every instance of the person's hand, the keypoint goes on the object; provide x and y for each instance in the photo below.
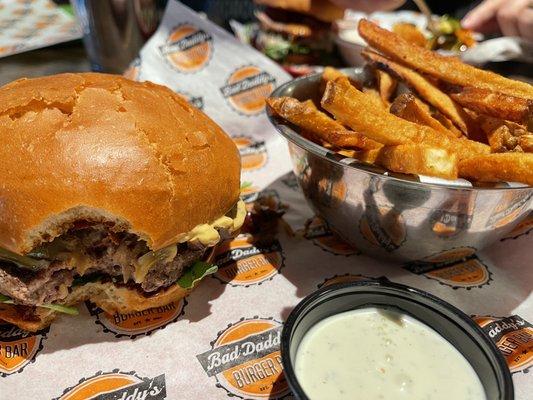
(369, 5)
(510, 17)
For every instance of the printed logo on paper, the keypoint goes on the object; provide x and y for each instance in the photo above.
(318, 232)
(514, 337)
(117, 385)
(195, 101)
(247, 88)
(383, 227)
(523, 228)
(457, 268)
(136, 323)
(18, 348)
(245, 360)
(509, 209)
(246, 261)
(134, 70)
(253, 152)
(188, 48)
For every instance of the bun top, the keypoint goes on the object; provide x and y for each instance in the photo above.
(323, 10)
(101, 147)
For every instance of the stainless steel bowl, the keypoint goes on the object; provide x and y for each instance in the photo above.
(395, 216)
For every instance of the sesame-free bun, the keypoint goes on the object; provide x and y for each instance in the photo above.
(323, 10)
(104, 148)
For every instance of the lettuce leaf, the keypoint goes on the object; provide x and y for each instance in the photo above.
(55, 307)
(5, 299)
(62, 309)
(245, 184)
(199, 270)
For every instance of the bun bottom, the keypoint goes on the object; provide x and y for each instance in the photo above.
(107, 296)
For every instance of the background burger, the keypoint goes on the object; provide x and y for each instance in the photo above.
(297, 31)
(111, 191)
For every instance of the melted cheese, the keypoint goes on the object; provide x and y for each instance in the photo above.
(207, 234)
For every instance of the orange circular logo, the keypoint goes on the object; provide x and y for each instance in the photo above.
(246, 360)
(457, 254)
(247, 88)
(383, 227)
(188, 48)
(467, 274)
(253, 152)
(241, 262)
(458, 268)
(117, 385)
(514, 337)
(137, 323)
(18, 348)
(317, 231)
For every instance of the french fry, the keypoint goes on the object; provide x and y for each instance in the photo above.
(502, 135)
(447, 69)
(526, 143)
(408, 107)
(306, 116)
(410, 33)
(330, 74)
(498, 105)
(424, 88)
(510, 167)
(413, 159)
(446, 123)
(341, 99)
(375, 97)
(386, 85)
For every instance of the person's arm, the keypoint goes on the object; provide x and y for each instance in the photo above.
(510, 17)
(369, 5)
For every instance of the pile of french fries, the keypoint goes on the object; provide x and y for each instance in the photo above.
(455, 121)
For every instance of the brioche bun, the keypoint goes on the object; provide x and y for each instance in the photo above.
(104, 148)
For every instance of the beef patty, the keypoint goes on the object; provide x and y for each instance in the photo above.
(101, 253)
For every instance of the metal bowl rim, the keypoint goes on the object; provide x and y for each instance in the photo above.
(317, 150)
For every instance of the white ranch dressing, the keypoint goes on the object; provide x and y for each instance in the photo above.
(381, 354)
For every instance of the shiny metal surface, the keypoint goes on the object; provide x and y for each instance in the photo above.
(395, 216)
(115, 30)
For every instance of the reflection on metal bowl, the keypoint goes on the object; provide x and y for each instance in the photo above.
(390, 215)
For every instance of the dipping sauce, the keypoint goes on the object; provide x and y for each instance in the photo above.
(381, 354)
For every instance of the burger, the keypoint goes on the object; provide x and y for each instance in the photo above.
(296, 31)
(111, 191)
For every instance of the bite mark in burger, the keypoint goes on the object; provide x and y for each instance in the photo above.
(111, 191)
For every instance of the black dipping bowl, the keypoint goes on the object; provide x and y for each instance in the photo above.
(454, 325)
